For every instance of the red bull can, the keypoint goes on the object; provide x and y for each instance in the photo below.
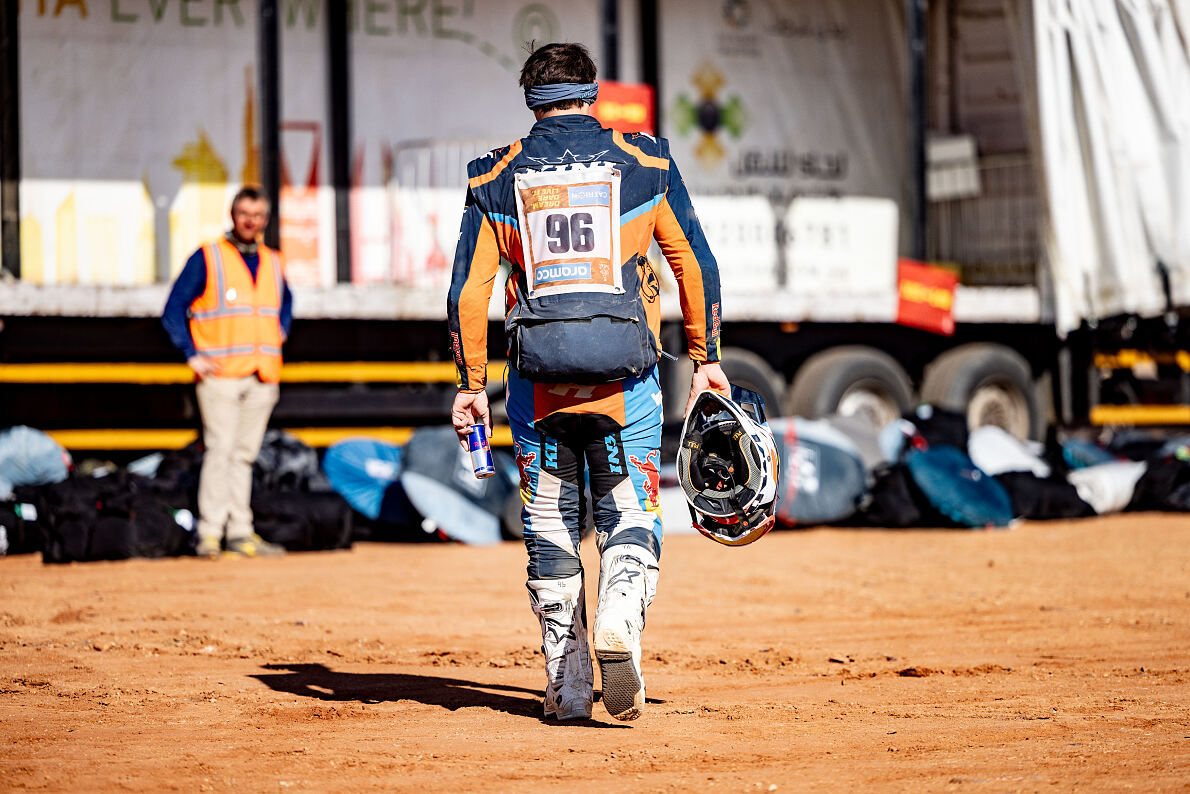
(481, 452)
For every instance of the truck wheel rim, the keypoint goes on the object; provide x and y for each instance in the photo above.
(1000, 406)
(870, 404)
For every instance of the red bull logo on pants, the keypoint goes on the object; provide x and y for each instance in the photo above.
(652, 483)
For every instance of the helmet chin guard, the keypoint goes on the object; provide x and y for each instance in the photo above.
(728, 467)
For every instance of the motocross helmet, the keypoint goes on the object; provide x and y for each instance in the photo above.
(728, 467)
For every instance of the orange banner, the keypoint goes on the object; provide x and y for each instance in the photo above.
(926, 296)
(625, 107)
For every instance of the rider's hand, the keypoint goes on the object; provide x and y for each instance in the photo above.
(708, 376)
(467, 410)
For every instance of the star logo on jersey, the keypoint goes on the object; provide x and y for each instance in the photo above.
(567, 157)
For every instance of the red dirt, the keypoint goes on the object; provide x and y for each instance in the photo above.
(1049, 656)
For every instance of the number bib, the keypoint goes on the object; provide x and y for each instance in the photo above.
(570, 229)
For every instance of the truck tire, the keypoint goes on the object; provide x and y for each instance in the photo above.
(745, 368)
(991, 384)
(853, 380)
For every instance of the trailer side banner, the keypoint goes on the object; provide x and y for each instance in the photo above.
(140, 118)
(1066, 125)
(786, 99)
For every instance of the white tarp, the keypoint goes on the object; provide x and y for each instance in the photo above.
(1113, 111)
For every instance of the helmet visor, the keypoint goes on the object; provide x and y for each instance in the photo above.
(750, 403)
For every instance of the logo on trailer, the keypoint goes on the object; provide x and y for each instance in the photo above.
(709, 115)
(737, 14)
(652, 483)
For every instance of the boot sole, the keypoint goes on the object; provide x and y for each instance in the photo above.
(623, 694)
(574, 715)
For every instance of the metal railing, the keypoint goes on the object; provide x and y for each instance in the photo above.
(993, 237)
(437, 163)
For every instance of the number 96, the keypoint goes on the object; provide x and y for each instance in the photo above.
(576, 233)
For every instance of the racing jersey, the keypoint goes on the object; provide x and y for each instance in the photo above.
(653, 204)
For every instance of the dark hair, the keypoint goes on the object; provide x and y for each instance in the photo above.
(558, 63)
(252, 193)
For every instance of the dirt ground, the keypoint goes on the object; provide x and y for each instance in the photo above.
(1047, 657)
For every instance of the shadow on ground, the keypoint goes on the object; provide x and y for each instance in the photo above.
(321, 683)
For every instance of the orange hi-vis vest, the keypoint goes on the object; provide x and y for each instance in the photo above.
(237, 321)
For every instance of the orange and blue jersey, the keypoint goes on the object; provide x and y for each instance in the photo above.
(605, 436)
(654, 205)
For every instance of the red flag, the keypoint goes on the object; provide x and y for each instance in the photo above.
(926, 296)
(625, 107)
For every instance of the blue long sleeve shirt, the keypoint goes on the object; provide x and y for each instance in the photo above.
(191, 283)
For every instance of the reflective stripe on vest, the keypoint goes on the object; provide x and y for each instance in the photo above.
(236, 320)
(222, 310)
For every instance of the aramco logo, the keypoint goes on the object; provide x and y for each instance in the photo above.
(708, 114)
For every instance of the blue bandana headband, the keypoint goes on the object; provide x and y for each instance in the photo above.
(559, 92)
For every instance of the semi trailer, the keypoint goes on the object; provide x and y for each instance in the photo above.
(981, 204)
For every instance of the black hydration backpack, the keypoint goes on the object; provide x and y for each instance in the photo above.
(579, 317)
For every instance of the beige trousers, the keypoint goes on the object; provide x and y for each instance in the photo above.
(235, 413)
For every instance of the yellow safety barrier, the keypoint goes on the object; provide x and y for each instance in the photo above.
(1129, 359)
(1140, 415)
(176, 438)
(295, 372)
